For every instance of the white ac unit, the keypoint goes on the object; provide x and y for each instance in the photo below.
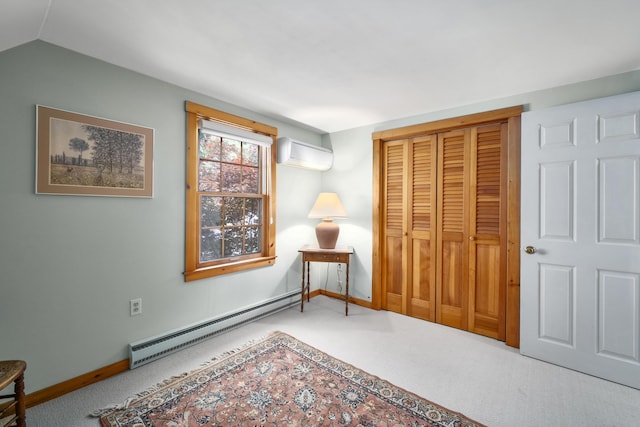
(303, 155)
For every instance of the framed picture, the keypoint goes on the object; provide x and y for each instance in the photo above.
(91, 156)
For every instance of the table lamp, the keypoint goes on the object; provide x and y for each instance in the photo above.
(327, 207)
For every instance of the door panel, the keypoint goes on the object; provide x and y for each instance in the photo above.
(394, 274)
(557, 198)
(618, 332)
(393, 288)
(487, 230)
(557, 310)
(421, 302)
(451, 296)
(453, 213)
(580, 295)
(486, 289)
(619, 213)
(422, 197)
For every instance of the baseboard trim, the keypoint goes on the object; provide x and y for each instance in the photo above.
(352, 300)
(73, 384)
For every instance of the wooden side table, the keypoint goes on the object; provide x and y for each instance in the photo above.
(340, 254)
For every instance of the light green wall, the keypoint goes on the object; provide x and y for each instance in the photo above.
(69, 265)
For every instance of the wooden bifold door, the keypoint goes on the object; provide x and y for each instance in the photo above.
(442, 222)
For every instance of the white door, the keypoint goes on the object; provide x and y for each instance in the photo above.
(580, 286)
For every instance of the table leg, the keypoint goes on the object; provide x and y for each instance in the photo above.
(346, 294)
(302, 293)
(308, 283)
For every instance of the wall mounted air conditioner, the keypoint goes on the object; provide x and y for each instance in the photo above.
(303, 155)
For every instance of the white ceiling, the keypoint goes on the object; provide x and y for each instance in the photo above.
(339, 64)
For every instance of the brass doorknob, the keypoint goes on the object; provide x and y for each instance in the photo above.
(472, 238)
(530, 250)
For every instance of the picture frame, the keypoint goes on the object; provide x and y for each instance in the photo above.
(82, 155)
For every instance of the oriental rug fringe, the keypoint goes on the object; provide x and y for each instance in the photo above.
(278, 381)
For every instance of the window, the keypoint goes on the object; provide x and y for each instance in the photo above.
(230, 194)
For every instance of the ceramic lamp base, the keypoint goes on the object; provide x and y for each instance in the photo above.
(327, 234)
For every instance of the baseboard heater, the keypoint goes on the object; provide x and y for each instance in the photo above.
(150, 349)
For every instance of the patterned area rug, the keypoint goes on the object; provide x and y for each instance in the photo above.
(279, 381)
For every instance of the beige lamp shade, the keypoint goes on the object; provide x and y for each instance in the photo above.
(327, 207)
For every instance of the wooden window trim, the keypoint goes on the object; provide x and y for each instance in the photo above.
(192, 270)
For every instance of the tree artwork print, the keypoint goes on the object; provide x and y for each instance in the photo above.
(92, 156)
(113, 156)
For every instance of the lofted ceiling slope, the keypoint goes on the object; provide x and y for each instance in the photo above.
(339, 64)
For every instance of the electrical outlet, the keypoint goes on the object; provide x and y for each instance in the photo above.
(136, 306)
(339, 267)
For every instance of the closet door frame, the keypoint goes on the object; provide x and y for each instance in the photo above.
(509, 115)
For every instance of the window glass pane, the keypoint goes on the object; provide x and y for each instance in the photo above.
(231, 175)
(209, 146)
(208, 176)
(238, 238)
(253, 240)
(230, 151)
(233, 211)
(252, 211)
(232, 242)
(210, 244)
(250, 180)
(250, 154)
(210, 211)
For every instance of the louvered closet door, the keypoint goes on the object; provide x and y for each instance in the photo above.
(452, 240)
(446, 211)
(394, 271)
(471, 246)
(487, 242)
(409, 227)
(422, 214)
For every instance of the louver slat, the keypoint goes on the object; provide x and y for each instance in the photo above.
(488, 182)
(421, 219)
(453, 183)
(394, 187)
